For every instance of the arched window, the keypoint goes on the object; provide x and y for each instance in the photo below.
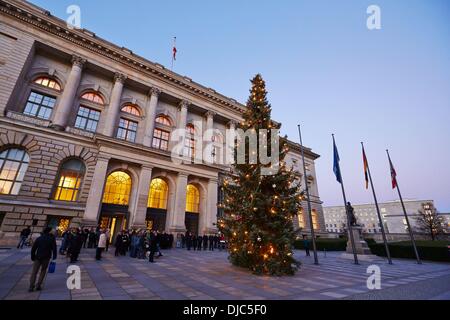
(117, 189)
(163, 120)
(161, 135)
(131, 110)
(93, 97)
(189, 141)
(157, 197)
(47, 82)
(192, 199)
(13, 165)
(69, 182)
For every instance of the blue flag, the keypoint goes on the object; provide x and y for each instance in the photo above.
(336, 166)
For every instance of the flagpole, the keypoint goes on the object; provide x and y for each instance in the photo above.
(173, 54)
(378, 208)
(313, 235)
(349, 225)
(411, 235)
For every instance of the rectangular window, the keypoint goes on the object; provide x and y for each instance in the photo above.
(189, 147)
(127, 130)
(39, 105)
(160, 139)
(87, 119)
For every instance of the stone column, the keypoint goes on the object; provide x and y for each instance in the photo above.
(179, 212)
(229, 145)
(208, 147)
(211, 207)
(114, 105)
(94, 201)
(182, 121)
(140, 209)
(151, 115)
(62, 112)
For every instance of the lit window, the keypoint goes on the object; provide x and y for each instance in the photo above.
(127, 130)
(13, 165)
(131, 110)
(192, 199)
(93, 97)
(39, 105)
(47, 82)
(163, 120)
(70, 178)
(87, 119)
(157, 197)
(160, 139)
(117, 189)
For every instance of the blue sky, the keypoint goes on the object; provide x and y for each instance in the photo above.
(324, 69)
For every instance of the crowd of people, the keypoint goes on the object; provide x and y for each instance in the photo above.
(140, 244)
(205, 242)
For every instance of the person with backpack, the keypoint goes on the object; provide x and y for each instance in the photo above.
(44, 248)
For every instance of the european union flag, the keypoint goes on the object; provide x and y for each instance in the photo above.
(336, 167)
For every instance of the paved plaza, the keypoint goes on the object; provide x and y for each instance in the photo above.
(184, 275)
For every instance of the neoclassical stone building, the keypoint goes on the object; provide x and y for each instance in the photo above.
(85, 131)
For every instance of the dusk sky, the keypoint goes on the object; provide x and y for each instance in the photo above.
(324, 69)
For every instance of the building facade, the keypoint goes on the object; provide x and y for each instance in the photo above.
(366, 215)
(86, 134)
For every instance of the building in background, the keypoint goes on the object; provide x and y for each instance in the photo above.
(85, 129)
(366, 214)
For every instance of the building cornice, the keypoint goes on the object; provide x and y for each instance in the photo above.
(43, 20)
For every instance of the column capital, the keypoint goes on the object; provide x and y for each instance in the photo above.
(210, 114)
(154, 92)
(232, 123)
(119, 77)
(183, 174)
(213, 181)
(147, 167)
(78, 61)
(184, 104)
(103, 158)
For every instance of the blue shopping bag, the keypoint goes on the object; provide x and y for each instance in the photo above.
(52, 267)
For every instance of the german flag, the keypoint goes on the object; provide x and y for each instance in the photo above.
(366, 167)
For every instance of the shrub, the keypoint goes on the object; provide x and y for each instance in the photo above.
(428, 250)
(323, 243)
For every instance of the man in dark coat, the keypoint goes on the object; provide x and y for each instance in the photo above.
(216, 241)
(85, 237)
(205, 242)
(194, 242)
(189, 241)
(171, 241)
(199, 243)
(91, 239)
(211, 242)
(118, 244)
(75, 244)
(23, 237)
(42, 251)
(153, 247)
(183, 241)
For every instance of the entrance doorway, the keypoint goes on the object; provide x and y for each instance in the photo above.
(191, 222)
(156, 219)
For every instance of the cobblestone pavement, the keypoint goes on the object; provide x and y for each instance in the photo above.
(184, 275)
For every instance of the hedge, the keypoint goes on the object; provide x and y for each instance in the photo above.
(322, 243)
(428, 250)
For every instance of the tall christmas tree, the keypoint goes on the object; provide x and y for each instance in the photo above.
(259, 208)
